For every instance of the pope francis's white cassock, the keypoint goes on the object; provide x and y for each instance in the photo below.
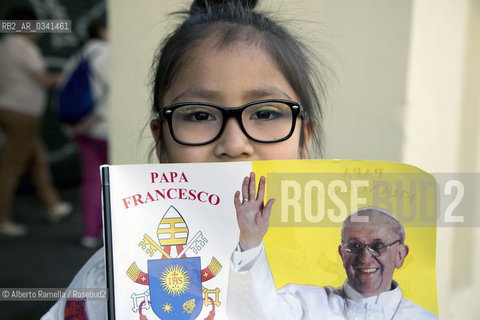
(252, 295)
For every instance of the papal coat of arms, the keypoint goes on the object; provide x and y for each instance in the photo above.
(175, 283)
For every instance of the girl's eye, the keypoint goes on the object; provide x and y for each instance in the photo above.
(199, 116)
(195, 114)
(266, 113)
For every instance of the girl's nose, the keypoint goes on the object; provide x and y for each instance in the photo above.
(233, 144)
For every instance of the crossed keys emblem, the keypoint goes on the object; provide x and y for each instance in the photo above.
(151, 247)
(172, 233)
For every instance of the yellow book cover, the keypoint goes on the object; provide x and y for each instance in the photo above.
(171, 229)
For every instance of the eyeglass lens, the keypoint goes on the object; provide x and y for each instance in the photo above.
(377, 248)
(269, 121)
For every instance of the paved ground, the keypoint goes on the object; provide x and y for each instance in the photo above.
(48, 257)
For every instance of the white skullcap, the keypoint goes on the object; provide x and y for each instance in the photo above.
(355, 218)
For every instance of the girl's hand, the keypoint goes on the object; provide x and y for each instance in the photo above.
(252, 214)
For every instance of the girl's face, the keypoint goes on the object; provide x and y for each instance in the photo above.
(230, 76)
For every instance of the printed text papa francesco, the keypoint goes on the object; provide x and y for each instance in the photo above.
(170, 193)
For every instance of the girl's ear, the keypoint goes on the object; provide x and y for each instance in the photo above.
(307, 136)
(156, 129)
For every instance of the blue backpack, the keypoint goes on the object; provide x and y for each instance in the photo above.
(75, 98)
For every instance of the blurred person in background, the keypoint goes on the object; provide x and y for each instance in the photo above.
(91, 132)
(23, 82)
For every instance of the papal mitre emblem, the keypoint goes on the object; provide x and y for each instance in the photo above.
(172, 230)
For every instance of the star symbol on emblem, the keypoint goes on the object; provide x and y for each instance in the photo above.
(143, 278)
(167, 307)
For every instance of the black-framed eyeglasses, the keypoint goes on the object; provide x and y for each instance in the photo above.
(376, 248)
(199, 123)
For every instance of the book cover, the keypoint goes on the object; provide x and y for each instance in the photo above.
(170, 229)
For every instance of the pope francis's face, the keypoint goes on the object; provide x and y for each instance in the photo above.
(369, 272)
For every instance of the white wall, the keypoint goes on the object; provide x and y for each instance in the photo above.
(136, 31)
(370, 41)
(442, 135)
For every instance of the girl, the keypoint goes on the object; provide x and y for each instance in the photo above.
(220, 79)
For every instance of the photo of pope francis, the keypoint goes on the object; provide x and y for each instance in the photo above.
(372, 247)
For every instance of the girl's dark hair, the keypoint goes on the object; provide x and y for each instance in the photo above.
(236, 20)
